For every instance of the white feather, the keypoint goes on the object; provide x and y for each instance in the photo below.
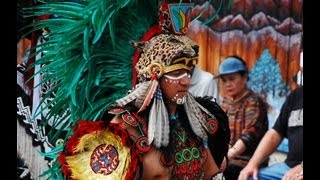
(149, 95)
(138, 93)
(162, 123)
(159, 126)
(152, 122)
(166, 127)
(195, 117)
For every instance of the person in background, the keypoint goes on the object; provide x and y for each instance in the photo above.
(289, 124)
(247, 112)
(203, 84)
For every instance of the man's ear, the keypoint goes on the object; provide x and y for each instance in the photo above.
(138, 45)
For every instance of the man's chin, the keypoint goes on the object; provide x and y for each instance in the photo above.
(181, 100)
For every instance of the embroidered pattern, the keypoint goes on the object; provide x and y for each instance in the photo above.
(185, 152)
(104, 159)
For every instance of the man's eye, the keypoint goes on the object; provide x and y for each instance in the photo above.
(175, 75)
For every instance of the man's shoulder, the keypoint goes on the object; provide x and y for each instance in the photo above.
(205, 78)
(206, 75)
(202, 74)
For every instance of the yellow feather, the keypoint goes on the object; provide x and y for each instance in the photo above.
(80, 162)
(183, 17)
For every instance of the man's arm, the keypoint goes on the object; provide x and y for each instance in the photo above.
(266, 147)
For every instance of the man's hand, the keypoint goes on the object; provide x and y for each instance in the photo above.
(249, 170)
(295, 173)
(300, 175)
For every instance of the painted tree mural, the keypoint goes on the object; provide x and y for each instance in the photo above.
(265, 76)
(266, 34)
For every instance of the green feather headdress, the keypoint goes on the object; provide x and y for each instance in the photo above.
(87, 56)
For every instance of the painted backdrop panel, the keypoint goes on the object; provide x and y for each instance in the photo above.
(266, 34)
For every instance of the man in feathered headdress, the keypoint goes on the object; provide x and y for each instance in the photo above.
(158, 129)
